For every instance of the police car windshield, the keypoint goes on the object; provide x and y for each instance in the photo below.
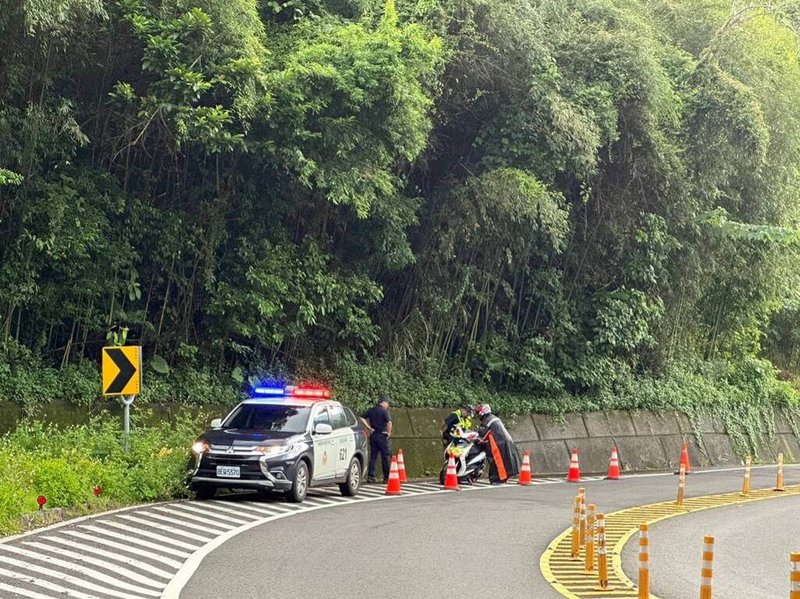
(279, 418)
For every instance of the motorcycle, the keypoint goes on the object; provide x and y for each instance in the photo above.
(469, 455)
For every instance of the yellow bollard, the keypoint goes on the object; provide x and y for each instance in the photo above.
(681, 485)
(582, 495)
(576, 528)
(589, 557)
(602, 557)
(708, 568)
(746, 481)
(794, 576)
(644, 562)
(779, 483)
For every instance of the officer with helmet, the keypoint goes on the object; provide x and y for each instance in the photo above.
(503, 457)
(456, 423)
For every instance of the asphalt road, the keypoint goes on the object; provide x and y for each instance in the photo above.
(752, 543)
(460, 544)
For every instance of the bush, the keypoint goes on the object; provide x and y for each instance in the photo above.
(63, 464)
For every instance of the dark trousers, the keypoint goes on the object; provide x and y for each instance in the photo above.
(379, 444)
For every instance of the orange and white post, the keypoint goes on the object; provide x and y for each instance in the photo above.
(681, 485)
(576, 528)
(708, 568)
(582, 495)
(748, 462)
(779, 483)
(644, 562)
(602, 557)
(589, 555)
(794, 576)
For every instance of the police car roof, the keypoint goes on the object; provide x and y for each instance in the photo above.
(287, 401)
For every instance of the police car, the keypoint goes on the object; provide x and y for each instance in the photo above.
(284, 438)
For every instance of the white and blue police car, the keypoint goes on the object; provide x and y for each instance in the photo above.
(286, 438)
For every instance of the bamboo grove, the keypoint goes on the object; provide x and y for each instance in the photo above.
(546, 198)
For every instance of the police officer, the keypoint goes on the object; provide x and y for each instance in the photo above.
(460, 419)
(379, 422)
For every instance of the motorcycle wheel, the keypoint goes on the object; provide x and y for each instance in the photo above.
(442, 474)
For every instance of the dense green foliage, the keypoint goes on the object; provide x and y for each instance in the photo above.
(65, 464)
(557, 203)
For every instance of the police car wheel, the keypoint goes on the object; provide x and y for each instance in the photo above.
(350, 487)
(300, 484)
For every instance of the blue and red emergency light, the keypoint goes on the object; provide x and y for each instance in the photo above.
(298, 392)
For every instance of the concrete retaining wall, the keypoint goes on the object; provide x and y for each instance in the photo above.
(647, 441)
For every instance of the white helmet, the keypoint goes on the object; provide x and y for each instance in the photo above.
(484, 409)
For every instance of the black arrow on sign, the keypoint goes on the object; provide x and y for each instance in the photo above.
(126, 370)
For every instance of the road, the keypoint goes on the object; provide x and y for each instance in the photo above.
(423, 544)
(752, 543)
(444, 544)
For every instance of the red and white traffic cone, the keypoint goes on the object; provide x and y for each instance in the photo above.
(613, 466)
(401, 466)
(684, 460)
(525, 476)
(451, 478)
(574, 475)
(393, 484)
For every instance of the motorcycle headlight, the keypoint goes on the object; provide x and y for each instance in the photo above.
(199, 447)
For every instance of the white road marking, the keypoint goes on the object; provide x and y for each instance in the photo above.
(183, 521)
(98, 576)
(116, 557)
(45, 584)
(27, 593)
(223, 526)
(138, 519)
(132, 541)
(150, 535)
(118, 570)
(78, 582)
(213, 513)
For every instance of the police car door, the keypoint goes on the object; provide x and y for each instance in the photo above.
(324, 446)
(344, 438)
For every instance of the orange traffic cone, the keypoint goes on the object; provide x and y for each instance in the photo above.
(613, 466)
(451, 479)
(525, 476)
(393, 485)
(401, 466)
(574, 475)
(685, 459)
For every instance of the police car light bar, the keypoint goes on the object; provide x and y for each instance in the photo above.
(271, 391)
(311, 392)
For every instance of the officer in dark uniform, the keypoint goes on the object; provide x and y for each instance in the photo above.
(460, 419)
(379, 422)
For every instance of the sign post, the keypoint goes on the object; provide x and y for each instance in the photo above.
(122, 376)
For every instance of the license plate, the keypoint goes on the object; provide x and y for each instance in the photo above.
(229, 472)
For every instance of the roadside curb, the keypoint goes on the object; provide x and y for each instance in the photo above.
(567, 577)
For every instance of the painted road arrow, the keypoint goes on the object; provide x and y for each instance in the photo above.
(122, 373)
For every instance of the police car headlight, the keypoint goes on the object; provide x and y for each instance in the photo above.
(199, 447)
(273, 450)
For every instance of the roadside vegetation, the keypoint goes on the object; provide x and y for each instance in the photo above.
(549, 205)
(65, 464)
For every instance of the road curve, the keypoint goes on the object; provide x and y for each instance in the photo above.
(454, 544)
(751, 551)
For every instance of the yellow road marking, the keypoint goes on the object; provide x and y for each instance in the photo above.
(567, 576)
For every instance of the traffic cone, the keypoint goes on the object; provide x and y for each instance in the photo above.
(401, 466)
(779, 482)
(525, 476)
(613, 466)
(393, 485)
(451, 479)
(685, 460)
(574, 475)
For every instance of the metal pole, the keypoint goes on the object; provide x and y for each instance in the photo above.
(126, 421)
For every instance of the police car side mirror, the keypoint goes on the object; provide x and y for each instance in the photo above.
(323, 429)
(216, 423)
